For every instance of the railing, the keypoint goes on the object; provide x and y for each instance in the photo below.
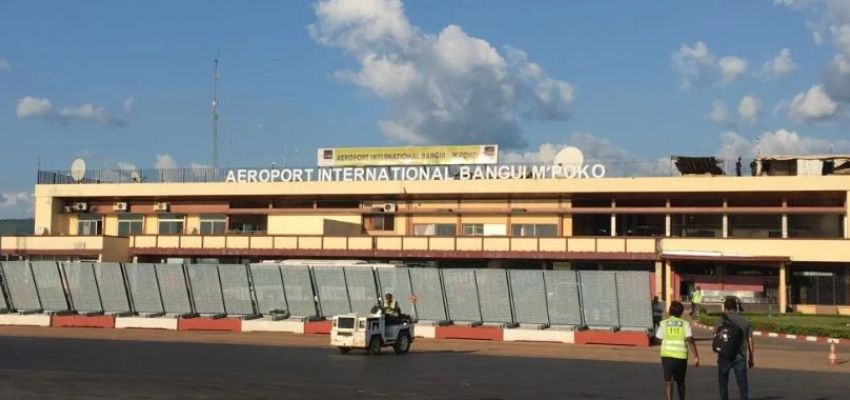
(612, 169)
(16, 243)
(492, 244)
(107, 248)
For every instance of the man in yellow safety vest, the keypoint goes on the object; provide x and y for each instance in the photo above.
(392, 312)
(696, 299)
(676, 336)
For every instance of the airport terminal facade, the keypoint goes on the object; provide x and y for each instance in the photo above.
(780, 240)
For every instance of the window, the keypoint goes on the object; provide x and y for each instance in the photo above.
(89, 225)
(247, 223)
(641, 225)
(130, 224)
(473, 229)
(379, 222)
(696, 225)
(170, 224)
(815, 225)
(213, 224)
(534, 229)
(592, 225)
(434, 229)
(484, 230)
(755, 225)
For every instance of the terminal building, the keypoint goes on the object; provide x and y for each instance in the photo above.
(777, 236)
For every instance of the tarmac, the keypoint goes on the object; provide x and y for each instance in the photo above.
(78, 363)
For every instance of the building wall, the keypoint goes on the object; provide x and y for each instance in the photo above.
(514, 188)
(193, 224)
(110, 225)
(151, 225)
(309, 224)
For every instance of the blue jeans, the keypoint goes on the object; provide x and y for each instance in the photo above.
(739, 365)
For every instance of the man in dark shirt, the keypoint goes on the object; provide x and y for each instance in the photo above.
(744, 359)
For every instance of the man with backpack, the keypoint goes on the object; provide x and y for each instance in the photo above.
(676, 336)
(733, 343)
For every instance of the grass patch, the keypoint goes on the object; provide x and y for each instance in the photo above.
(833, 326)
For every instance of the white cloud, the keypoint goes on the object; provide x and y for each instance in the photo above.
(780, 142)
(781, 65)
(128, 105)
(812, 105)
(165, 161)
(832, 18)
(618, 161)
(697, 67)
(89, 113)
(5, 65)
(32, 107)
(126, 166)
(41, 108)
(731, 68)
(593, 147)
(445, 87)
(750, 108)
(720, 113)
(375, 73)
(15, 199)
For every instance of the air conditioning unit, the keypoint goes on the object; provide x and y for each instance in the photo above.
(389, 207)
(160, 206)
(120, 206)
(80, 206)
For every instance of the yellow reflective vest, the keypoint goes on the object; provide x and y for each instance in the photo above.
(696, 297)
(390, 309)
(674, 344)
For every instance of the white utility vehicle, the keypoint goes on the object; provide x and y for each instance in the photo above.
(372, 332)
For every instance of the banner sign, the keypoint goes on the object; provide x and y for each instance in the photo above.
(413, 155)
(415, 173)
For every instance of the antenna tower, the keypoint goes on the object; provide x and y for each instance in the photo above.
(215, 111)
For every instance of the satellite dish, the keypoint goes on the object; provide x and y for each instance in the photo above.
(569, 160)
(78, 169)
(136, 176)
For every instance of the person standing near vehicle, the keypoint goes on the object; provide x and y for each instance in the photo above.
(733, 343)
(392, 311)
(657, 311)
(676, 336)
(696, 299)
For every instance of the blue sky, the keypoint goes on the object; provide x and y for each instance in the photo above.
(128, 83)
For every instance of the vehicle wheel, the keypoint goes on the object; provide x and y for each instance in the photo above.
(344, 350)
(402, 344)
(374, 346)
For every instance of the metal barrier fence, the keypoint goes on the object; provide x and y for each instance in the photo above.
(598, 299)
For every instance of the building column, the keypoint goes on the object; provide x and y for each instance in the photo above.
(659, 279)
(725, 220)
(613, 218)
(783, 287)
(847, 216)
(785, 226)
(668, 220)
(784, 219)
(668, 283)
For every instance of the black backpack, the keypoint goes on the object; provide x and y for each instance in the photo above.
(727, 339)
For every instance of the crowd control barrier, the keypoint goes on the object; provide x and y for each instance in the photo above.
(608, 300)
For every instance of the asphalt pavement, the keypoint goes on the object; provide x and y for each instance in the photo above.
(61, 368)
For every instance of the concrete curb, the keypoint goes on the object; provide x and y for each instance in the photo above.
(592, 337)
(814, 339)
